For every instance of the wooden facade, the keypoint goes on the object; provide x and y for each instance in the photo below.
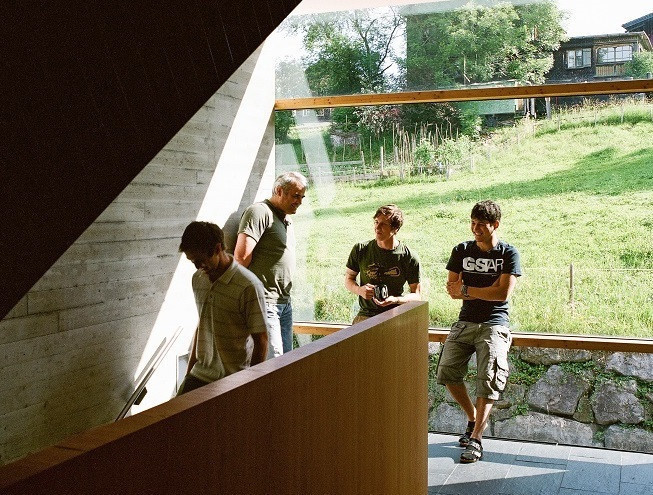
(581, 59)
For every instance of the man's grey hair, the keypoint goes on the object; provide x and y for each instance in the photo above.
(284, 181)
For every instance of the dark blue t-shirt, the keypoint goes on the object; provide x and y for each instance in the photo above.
(482, 269)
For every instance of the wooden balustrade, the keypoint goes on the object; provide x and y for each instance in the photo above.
(345, 414)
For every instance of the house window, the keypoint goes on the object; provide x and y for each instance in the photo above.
(579, 58)
(611, 54)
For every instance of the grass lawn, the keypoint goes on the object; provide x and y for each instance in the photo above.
(581, 194)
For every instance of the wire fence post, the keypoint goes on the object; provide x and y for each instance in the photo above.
(382, 159)
(571, 285)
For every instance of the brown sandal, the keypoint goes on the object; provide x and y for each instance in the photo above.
(464, 439)
(473, 452)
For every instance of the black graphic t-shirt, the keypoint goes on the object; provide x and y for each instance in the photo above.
(376, 266)
(482, 269)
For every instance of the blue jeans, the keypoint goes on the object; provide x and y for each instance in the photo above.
(280, 320)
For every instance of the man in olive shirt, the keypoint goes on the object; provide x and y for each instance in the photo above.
(266, 245)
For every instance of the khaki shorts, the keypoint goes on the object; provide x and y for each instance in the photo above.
(359, 318)
(490, 343)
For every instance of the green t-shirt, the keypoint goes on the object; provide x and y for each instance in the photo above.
(376, 266)
(273, 258)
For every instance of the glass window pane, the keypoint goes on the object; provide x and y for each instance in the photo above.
(582, 169)
(571, 59)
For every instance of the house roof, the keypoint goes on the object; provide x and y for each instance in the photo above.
(634, 22)
(609, 38)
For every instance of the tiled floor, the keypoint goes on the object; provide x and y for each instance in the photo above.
(525, 468)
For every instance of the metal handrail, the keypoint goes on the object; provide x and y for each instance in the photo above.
(148, 371)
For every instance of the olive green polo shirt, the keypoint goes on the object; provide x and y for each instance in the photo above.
(273, 258)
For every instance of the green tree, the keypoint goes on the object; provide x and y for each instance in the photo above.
(349, 52)
(283, 121)
(447, 117)
(640, 66)
(379, 119)
(290, 79)
(478, 44)
(344, 119)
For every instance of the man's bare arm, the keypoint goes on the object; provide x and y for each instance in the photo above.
(365, 291)
(260, 351)
(244, 248)
(501, 290)
(192, 357)
(413, 295)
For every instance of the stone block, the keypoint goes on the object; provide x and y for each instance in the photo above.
(558, 392)
(513, 394)
(632, 364)
(540, 355)
(629, 439)
(447, 418)
(584, 412)
(545, 428)
(615, 402)
(434, 348)
(503, 414)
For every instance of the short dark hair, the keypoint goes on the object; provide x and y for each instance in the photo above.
(201, 237)
(487, 211)
(394, 214)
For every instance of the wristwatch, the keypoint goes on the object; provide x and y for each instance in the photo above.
(463, 290)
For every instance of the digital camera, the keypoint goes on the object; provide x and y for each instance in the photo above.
(380, 292)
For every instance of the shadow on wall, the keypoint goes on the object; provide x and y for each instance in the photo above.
(250, 194)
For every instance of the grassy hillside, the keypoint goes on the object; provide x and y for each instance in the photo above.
(577, 190)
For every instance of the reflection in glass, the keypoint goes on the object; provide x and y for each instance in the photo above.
(457, 44)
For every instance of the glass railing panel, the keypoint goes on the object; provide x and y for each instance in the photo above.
(573, 177)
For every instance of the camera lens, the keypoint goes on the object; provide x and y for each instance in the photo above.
(381, 292)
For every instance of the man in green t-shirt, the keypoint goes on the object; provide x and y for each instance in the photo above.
(266, 245)
(383, 262)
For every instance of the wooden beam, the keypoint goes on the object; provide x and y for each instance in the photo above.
(469, 94)
(314, 328)
(519, 339)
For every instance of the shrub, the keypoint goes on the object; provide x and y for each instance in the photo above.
(283, 121)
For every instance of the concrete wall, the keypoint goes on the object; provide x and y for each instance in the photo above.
(72, 348)
(91, 93)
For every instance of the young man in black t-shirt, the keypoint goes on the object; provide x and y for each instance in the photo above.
(383, 261)
(483, 273)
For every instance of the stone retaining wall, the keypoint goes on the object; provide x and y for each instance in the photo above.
(587, 398)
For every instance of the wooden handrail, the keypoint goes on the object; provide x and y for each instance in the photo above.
(469, 94)
(519, 339)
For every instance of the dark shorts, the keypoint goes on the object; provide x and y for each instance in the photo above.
(490, 343)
